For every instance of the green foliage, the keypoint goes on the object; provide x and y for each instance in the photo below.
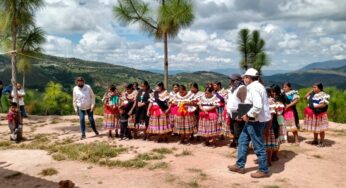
(48, 172)
(171, 16)
(251, 46)
(336, 107)
(56, 100)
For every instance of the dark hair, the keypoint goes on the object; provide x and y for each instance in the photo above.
(14, 104)
(288, 84)
(209, 89)
(218, 83)
(182, 87)
(122, 108)
(129, 86)
(280, 96)
(269, 91)
(161, 85)
(319, 85)
(146, 83)
(176, 84)
(79, 78)
(254, 78)
(194, 85)
(112, 87)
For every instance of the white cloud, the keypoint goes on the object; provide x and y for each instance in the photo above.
(58, 46)
(296, 32)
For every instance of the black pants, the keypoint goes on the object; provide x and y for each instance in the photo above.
(236, 128)
(296, 117)
(124, 131)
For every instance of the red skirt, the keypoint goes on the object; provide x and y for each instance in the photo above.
(315, 122)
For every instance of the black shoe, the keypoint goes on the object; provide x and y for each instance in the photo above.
(82, 137)
(233, 145)
(97, 133)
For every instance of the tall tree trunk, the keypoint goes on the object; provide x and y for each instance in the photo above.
(246, 62)
(14, 61)
(165, 41)
(24, 80)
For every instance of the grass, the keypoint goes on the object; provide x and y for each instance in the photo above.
(55, 121)
(100, 153)
(185, 152)
(192, 184)
(48, 172)
(159, 165)
(170, 178)
(59, 157)
(163, 150)
(200, 173)
(271, 186)
(5, 144)
(317, 156)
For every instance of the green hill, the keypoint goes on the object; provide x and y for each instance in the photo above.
(99, 75)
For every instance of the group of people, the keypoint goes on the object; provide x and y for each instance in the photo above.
(249, 113)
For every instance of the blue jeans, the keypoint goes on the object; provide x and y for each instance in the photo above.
(22, 111)
(82, 120)
(252, 131)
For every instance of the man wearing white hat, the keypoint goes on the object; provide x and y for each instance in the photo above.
(253, 129)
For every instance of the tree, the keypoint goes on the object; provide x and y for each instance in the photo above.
(55, 100)
(24, 66)
(252, 48)
(244, 47)
(171, 17)
(15, 16)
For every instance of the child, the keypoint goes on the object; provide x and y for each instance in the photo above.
(124, 118)
(110, 100)
(14, 122)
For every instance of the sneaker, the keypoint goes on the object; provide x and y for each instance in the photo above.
(235, 168)
(259, 174)
(82, 137)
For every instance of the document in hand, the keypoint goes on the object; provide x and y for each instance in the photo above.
(243, 109)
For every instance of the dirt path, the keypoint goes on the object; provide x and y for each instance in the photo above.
(299, 166)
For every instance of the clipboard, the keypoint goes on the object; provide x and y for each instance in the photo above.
(243, 109)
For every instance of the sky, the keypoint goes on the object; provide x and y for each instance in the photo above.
(297, 32)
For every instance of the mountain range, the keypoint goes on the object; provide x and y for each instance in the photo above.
(64, 70)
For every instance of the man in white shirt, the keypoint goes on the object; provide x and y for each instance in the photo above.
(21, 95)
(253, 130)
(84, 103)
(236, 95)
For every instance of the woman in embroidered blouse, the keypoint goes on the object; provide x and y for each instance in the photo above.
(111, 111)
(208, 126)
(128, 99)
(221, 94)
(184, 120)
(173, 108)
(196, 96)
(316, 118)
(157, 111)
(291, 114)
(275, 132)
(142, 104)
